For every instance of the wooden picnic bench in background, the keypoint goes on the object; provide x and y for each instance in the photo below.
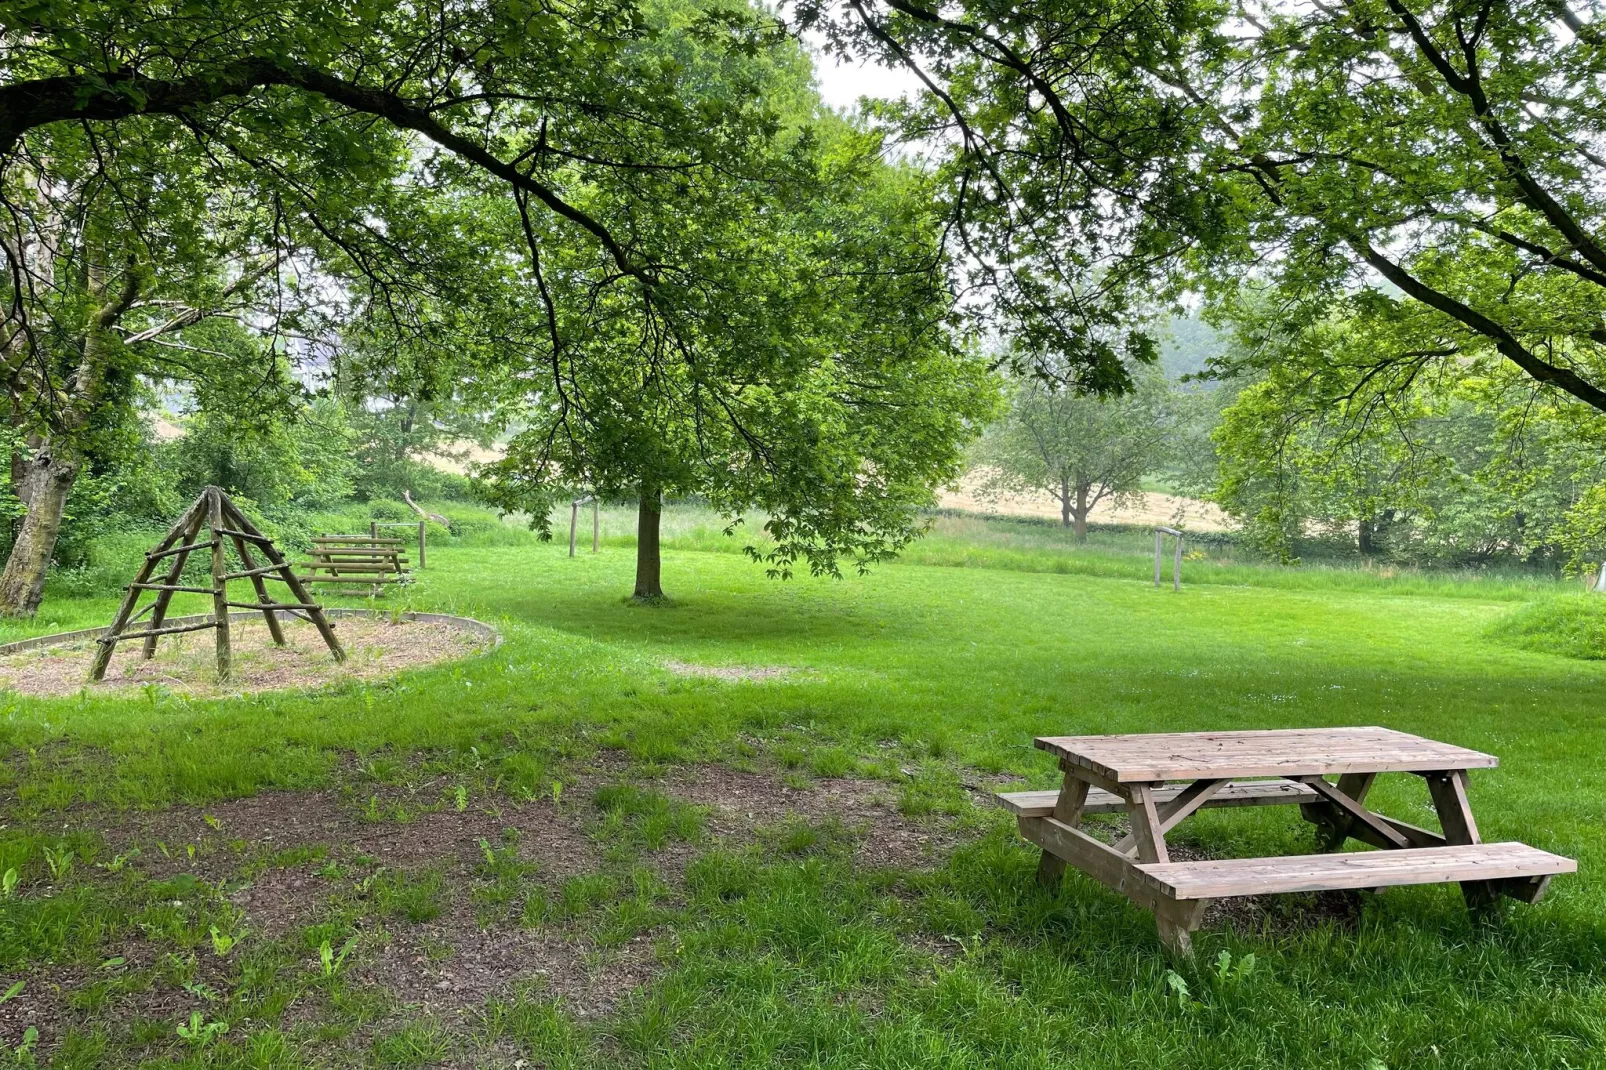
(356, 560)
(1138, 775)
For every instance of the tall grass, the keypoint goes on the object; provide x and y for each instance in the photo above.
(961, 540)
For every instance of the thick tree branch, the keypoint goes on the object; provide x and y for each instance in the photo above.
(1562, 378)
(124, 94)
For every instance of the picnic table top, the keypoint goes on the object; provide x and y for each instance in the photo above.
(1151, 757)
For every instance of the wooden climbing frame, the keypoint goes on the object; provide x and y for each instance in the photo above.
(215, 513)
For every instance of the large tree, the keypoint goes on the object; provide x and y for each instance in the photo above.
(124, 266)
(1078, 449)
(355, 127)
(1445, 158)
(821, 383)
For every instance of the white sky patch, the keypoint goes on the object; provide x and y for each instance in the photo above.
(843, 82)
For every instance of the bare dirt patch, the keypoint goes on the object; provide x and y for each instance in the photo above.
(739, 801)
(729, 672)
(186, 663)
(288, 860)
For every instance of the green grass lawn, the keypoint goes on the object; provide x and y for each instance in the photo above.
(783, 943)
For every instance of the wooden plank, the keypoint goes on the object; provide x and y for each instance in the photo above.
(1243, 793)
(196, 519)
(125, 610)
(1176, 810)
(360, 540)
(350, 579)
(1094, 858)
(352, 551)
(185, 549)
(220, 595)
(271, 552)
(1068, 811)
(255, 536)
(1147, 834)
(270, 571)
(173, 629)
(171, 587)
(1449, 794)
(1336, 824)
(267, 607)
(1357, 814)
(343, 566)
(1151, 757)
(1362, 869)
(261, 589)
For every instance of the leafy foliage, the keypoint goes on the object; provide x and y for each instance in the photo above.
(1080, 450)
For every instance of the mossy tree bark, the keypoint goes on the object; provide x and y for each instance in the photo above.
(47, 481)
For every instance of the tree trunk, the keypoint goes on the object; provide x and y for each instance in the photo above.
(1080, 513)
(1065, 502)
(649, 564)
(47, 481)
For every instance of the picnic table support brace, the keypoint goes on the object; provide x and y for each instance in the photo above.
(1067, 810)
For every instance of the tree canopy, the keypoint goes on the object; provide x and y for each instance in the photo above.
(1437, 163)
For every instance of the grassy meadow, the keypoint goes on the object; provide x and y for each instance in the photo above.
(700, 929)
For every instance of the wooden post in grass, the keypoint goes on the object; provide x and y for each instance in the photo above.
(574, 523)
(1176, 561)
(421, 540)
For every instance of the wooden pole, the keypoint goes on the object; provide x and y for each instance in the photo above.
(197, 518)
(291, 580)
(1176, 566)
(108, 642)
(261, 589)
(373, 529)
(596, 525)
(422, 538)
(574, 520)
(220, 594)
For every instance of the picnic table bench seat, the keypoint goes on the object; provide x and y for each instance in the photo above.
(1218, 878)
(1099, 801)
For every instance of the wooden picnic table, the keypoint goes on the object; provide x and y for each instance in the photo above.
(355, 559)
(1138, 774)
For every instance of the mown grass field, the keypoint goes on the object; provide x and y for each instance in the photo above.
(697, 935)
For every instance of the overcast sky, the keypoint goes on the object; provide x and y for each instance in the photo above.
(842, 84)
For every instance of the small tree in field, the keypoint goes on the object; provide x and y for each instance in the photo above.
(1079, 449)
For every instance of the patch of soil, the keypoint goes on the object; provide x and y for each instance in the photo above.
(729, 672)
(449, 965)
(739, 801)
(187, 663)
(1252, 914)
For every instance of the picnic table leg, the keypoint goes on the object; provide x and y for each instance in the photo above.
(1449, 792)
(1068, 809)
(1146, 827)
(1333, 825)
(1175, 921)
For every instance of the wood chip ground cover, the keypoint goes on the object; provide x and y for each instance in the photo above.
(186, 663)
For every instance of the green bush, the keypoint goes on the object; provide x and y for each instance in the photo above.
(1572, 626)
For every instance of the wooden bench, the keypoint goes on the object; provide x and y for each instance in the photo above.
(1099, 801)
(356, 559)
(1528, 868)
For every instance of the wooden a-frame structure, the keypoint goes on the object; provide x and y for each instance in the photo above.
(214, 511)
